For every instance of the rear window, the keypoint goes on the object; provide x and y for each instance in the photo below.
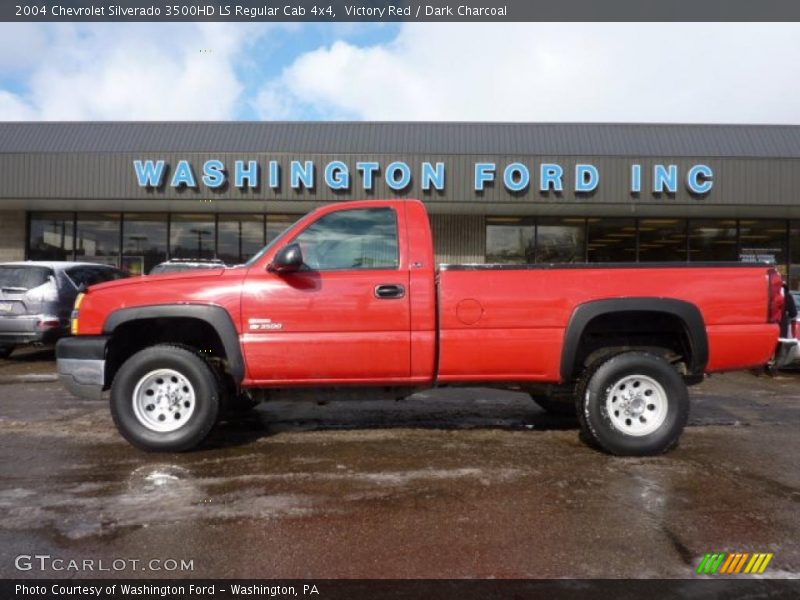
(91, 275)
(23, 277)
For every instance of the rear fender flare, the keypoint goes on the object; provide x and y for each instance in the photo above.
(686, 312)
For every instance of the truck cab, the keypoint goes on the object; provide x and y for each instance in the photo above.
(351, 290)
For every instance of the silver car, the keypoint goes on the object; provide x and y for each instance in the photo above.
(36, 299)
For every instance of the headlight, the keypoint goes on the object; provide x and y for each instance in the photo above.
(73, 318)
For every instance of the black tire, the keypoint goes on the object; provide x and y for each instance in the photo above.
(613, 433)
(555, 406)
(202, 381)
(5, 351)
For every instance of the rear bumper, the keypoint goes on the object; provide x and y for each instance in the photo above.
(81, 363)
(788, 352)
(27, 329)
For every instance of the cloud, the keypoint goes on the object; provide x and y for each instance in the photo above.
(672, 72)
(21, 45)
(660, 72)
(13, 108)
(131, 72)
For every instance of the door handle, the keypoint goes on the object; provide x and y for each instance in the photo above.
(388, 291)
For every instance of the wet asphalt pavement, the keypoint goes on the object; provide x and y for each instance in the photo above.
(451, 483)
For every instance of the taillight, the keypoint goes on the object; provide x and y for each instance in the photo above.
(49, 322)
(73, 318)
(776, 299)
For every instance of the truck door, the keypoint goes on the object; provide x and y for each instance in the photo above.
(344, 316)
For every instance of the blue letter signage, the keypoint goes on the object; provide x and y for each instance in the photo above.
(516, 177)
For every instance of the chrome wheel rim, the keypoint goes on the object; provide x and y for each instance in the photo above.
(637, 405)
(164, 400)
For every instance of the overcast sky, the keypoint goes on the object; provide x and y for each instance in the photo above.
(651, 72)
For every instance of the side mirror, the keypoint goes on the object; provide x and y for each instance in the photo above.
(289, 259)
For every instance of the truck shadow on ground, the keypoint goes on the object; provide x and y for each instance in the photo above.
(448, 410)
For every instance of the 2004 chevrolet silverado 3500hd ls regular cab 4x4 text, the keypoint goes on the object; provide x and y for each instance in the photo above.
(350, 296)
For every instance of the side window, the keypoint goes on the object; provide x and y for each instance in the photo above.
(352, 239)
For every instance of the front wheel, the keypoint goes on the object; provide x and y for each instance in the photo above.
(5, 351)
(165, 398)
(633, 404)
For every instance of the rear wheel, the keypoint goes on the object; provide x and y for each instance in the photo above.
(633, 404)
(5, 351)
(165, 398)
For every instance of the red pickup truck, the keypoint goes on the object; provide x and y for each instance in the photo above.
(350, 295)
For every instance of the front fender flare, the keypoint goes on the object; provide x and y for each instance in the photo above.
(214, 315)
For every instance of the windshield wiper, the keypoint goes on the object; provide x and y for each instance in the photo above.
(14, 289)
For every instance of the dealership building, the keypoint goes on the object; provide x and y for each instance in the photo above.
(135, 194)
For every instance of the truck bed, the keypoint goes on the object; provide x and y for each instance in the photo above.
(508, 322)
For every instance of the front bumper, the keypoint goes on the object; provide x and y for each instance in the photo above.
(81, 363)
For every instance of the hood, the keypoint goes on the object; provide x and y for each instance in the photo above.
(154, 280)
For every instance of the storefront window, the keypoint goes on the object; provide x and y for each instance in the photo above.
(239, 237)
(662, 240)
(713, 240)
(192, 236)
(52, 236)
(794, 255)
(144, 242)
(611, 240)
(510, 240)
(560, 240)
(763, 241)
(97, 238)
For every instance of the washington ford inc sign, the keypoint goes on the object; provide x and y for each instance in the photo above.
(516, 177)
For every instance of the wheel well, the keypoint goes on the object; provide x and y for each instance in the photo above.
(132, 336)
(661, 333)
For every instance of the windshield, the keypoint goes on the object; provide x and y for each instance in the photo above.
(266, 248)
(23, 277)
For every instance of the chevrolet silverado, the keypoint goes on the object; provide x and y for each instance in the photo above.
(350, 295)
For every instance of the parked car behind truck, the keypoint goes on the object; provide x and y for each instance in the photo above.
(36, 299)
(175, 265)
(350, 296)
